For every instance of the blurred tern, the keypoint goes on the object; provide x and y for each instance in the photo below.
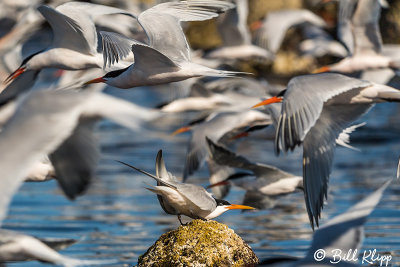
(344, 232)
(185, 199)
(269, 181)
(219, 127)
(16, 246)
(316, 108)
(271, 32)
(359, 30)
(74, 45)
(166, 58)
(236, 37)
(58, 123)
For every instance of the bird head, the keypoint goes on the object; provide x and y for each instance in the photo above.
(223, 206)
(274, 99)
(107, 77)
(22, 68)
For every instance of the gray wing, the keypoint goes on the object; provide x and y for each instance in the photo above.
(226, 157)
(233, 25)
(198, 196)
(345, 231)
(219, 173)
(76, 158)
(344, 30)
(359, 26)
(69, 32)
(217, 129)
(214, 128)
(318, 151)
(161, 172)
(162, 24)
(115, 47)
(303, 103)
(73, 25)
(38, 126)
(276, 24)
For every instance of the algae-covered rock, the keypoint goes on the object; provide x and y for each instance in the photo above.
(200, 243)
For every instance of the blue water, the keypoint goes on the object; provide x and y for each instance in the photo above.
(118, 219)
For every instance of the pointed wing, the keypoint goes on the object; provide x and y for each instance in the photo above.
(359, 26)
(345, 231)
(76, 158)
(41, 125)
(162, 24)
(161, 172)
(318, 151)
(276, 24)
(73, 25)
(233, 25)
(303, 103)
(198, 196)
(69, 32)
(226, 157)
(115, 47)
(219, 173)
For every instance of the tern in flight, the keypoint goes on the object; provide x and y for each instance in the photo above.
(344, 232)
(358, 29)
(74, 45)
(185, 199)
(166, 58)
(58, 123)
(315, 110)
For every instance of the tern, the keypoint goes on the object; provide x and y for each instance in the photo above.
(185, 199)
(358, 29)
(74, 45)
(219, 127)
(236, 37)
(272, 30)
(315, 110)
(16, 246)
(269, 181)
(344, 232)
(166, 58)
(58, 123)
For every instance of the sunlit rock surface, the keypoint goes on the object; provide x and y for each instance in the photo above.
(200, 243)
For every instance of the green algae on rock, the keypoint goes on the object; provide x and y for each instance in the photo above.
(200, 243)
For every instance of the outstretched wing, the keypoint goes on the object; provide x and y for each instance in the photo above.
(345, 231)
(162, 24)
(303, 102)
(318, 151)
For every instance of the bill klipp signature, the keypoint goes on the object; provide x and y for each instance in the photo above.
(369, 256)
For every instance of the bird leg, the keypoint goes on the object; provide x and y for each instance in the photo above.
(180, 220)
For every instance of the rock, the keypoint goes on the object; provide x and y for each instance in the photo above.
(200, 243)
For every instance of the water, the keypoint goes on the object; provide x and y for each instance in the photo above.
(118, 219)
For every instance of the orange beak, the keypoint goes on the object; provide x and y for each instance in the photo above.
(15, 74)
(274, 99)
(244, 134)
(255, 25)
(322, 69)
(97, 80)
(239, 207)
(225, 182)
(181, 130)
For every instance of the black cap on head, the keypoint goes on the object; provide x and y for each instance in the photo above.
(221, 202)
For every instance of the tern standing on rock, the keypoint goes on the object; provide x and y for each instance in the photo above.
(185, 199)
